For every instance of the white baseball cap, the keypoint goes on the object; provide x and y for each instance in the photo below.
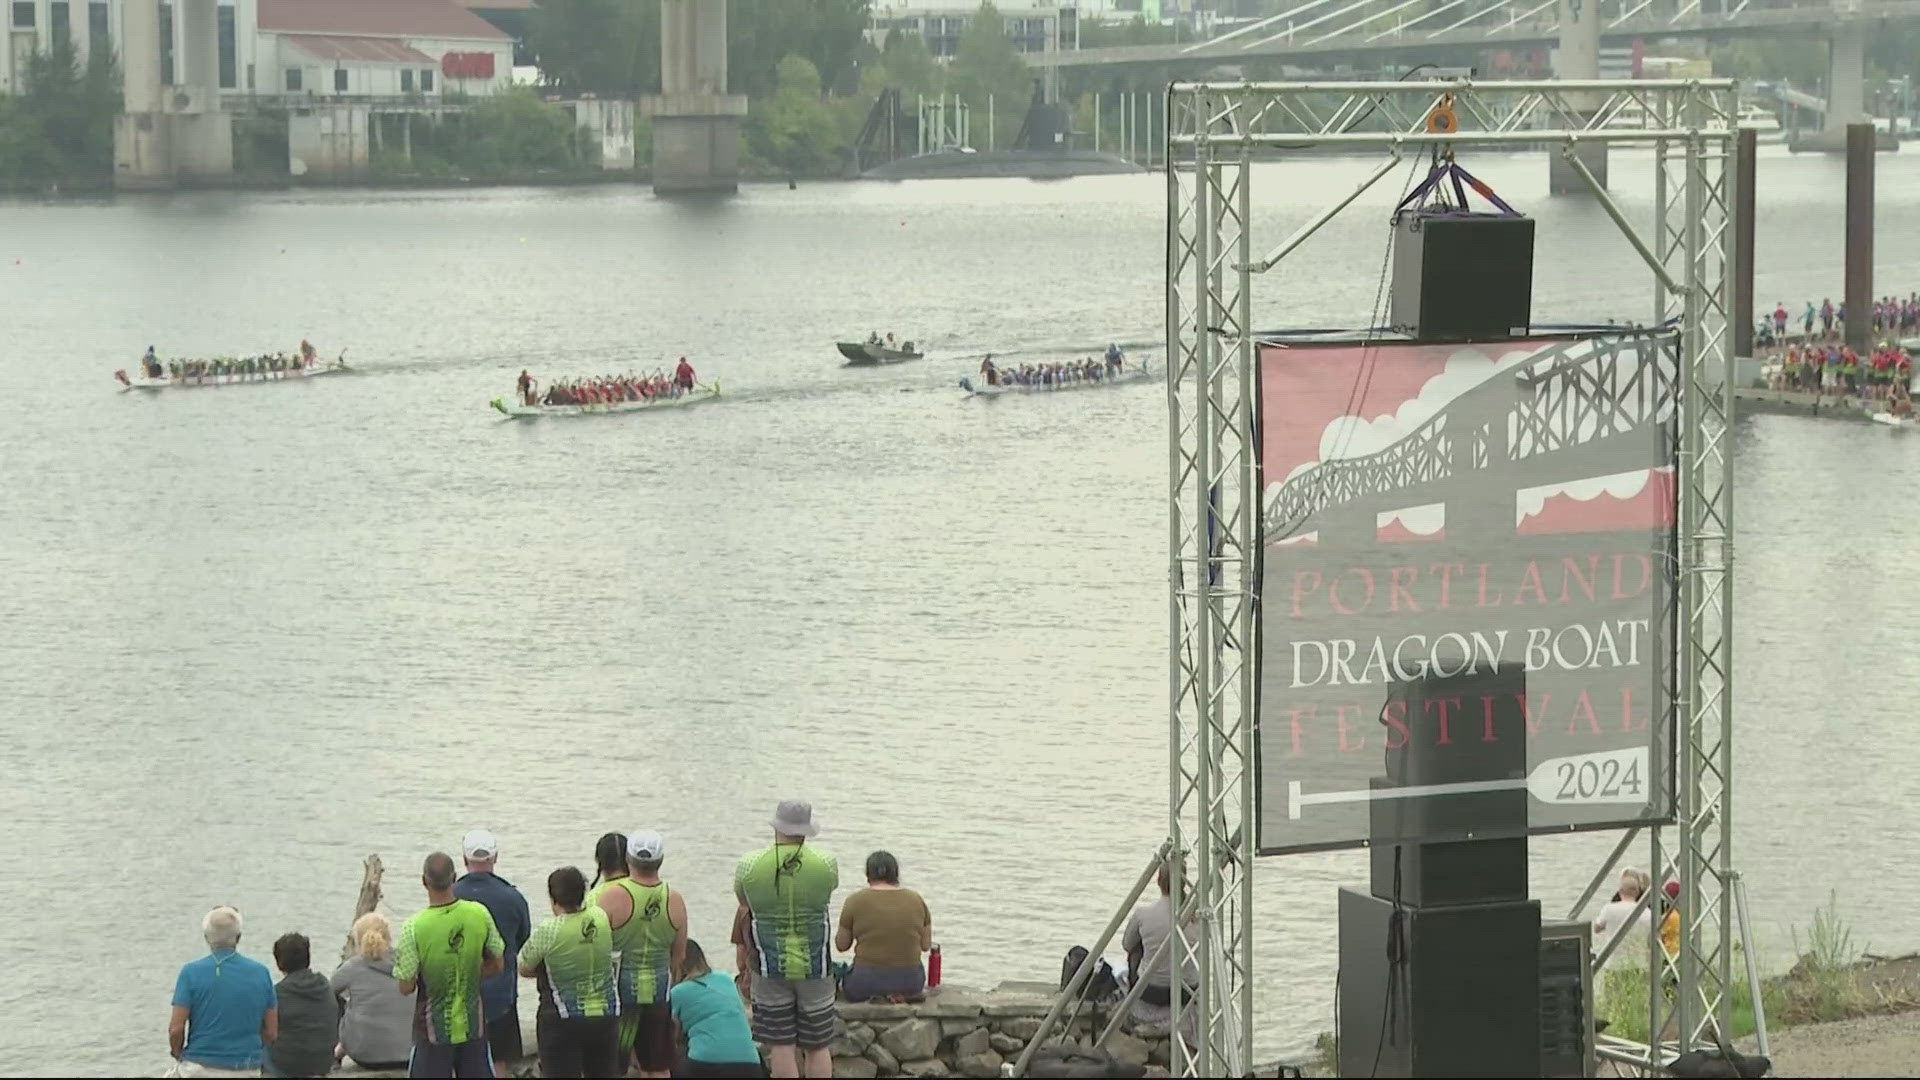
(480, 845)
(646, 845)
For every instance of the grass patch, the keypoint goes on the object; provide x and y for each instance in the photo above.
(1834, 979)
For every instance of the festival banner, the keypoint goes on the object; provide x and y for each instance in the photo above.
(1467, 588)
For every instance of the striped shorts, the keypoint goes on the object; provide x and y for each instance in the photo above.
(793, 1012)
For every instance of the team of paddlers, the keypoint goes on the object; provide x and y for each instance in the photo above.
(265, 366)
(608, 389)
(1070, 371)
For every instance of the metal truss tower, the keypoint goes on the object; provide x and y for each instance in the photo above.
(1214, 134)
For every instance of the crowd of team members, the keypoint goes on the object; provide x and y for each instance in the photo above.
(1834, 369)
(1891, 314)
(620, 983)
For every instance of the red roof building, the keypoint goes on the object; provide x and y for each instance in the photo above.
(378, 48)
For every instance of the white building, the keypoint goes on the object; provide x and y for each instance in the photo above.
(313, 48)
(378, 48)
(1029, 23)
(38, 25)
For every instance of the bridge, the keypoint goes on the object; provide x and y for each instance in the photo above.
(1307, 29)
(1574, 410)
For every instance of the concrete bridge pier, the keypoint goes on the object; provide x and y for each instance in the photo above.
(696, 123)
(1846, 89)
(1578, 58)
(169, 133)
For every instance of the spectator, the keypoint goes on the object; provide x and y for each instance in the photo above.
(309, 1017)
(498, 993)
(786, 889)
(376, 1028)
(1147, 929)
(446, 949)
(888, 928)
(707, 1005)
(223, 1006)
(609, 861)
(1613, 920)
(1670, 923)
(649, 922)
(577, 1021)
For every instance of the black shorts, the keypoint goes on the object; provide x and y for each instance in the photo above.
(503, 1036)
(651, 1038)
(578, 1046)
(465, 1061)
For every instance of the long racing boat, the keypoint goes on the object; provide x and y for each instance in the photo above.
(516, 410)
(871, 354)
(228, 373)
(977, 386)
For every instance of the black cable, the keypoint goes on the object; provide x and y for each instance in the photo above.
(1396, 956)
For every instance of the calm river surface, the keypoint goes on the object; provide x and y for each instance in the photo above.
(251, 635)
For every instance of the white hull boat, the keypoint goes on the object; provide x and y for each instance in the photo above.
(976, 385)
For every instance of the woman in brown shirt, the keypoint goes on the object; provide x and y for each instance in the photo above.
(887, 928)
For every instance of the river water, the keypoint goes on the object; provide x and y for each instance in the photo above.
(251, 635)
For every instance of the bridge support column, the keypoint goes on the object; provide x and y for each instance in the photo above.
(171, 133)
(1846, 89)
(696, 123)
(1578, 58)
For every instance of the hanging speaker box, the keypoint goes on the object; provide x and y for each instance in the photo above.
(1460, 276)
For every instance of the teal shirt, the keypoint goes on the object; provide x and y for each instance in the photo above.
(787, 888)
(709, 1011)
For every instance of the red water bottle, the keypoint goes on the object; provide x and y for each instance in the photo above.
(933, 968)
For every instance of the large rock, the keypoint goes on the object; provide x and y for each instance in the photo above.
(924, 1067)
(1128, 1050)
(912, 1040)
(1006, 1044)
(952, 1028)
(857, 1067)
(984, 1064)
(860, 1036)
(885, 1062)
(973, 1043)
(1023, 1028)
(1155, 1072)
(1160, 1052)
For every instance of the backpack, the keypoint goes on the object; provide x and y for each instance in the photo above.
(1101, 986)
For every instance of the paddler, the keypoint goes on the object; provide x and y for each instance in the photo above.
(683, 375)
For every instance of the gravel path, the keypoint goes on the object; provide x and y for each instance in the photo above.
(1869, 1046)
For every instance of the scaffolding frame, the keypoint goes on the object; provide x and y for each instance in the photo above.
(1213, 132)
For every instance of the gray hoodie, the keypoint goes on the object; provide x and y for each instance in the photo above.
(309, 1021)
(377, 1027)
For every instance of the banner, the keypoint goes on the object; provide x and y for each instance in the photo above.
(1467, 588)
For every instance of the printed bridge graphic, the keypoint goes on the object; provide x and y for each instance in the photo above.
(1571, 411)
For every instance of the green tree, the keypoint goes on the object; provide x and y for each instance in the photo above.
(794, 131)
(606, 47)
(986, 66)
(60, 127)
(906, 63)
(826, 33)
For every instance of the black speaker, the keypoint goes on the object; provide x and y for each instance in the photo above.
(1460, 275)
(1449, 991)
(1484, 737)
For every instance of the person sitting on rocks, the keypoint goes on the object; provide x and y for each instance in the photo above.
(224, 1011)
(1147, 932)
(887, 928)
(309, 1016)
(376, 1030)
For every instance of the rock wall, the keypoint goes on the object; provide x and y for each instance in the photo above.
(955, 1031)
